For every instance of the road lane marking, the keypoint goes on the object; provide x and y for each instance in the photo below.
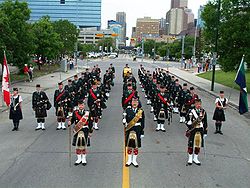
(125, 171)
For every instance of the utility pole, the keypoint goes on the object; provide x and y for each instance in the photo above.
(216, 43)
(183, 51)
(142, 46)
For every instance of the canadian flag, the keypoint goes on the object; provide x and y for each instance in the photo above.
(6, 82)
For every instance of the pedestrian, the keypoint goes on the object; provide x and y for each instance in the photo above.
(134, 120)
(30, 72)
(196, 132)
(40, 104)
(82, 132)
(26, 71)
(219, 113)
(16, 109)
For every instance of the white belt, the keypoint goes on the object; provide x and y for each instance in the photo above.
(85, 126)
(138, 124)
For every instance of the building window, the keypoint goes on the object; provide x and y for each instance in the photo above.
(62, 1)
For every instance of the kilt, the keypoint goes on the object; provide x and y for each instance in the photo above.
(15, 115)
(86, 134)
(138, 130)
(40, 112)
(219, 115)
(191, 137)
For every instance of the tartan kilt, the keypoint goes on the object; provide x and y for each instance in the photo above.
(86, 134)
(138, 130)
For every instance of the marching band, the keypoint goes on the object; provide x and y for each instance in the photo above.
(164, 95)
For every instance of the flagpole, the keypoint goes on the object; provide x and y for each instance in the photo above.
(234, 84)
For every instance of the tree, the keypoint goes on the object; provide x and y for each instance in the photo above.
(16, 35)
(68, 35)
(107, 42)
(48, 42)
(85, 48)
(234, 36)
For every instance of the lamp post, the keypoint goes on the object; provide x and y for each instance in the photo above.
(183, 51)
(216, 43)
(167, 25)
(142, 46)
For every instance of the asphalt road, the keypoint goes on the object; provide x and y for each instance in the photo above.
(40, 159)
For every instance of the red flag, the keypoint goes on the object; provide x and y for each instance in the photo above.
(6, 82)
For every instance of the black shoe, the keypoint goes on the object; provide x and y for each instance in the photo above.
(189, 164)
(84, 164)
(215, 132)
(198, 164)
(57, 129)
(14, 129)
(220, 132)
(37, 129)
(76, 164)
(136, 166)
(43, 129)
(64, 128)
(127, 165)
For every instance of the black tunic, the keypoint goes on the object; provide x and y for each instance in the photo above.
(39, 104)
(130, 114)
(86, 131)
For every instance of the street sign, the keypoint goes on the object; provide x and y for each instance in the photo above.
(99, 35)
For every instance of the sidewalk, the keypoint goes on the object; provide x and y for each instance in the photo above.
(48, 81)
(205, 85)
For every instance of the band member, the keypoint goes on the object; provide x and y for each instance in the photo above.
(95, 103)
(134, 126)
(40, 104)
(176, 92)
(182, 102)
(82, 132)
(60, 104)
(219, 114)
(128, 95)
(197, 131)
(162, 103)
(16, 109)
(191, 98)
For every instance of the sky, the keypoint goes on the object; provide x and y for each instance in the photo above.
(140, 8)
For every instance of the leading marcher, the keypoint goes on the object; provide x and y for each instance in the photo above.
(134, 121)
(82, 132)
(196, 122)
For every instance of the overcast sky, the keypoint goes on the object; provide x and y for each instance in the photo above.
(140, 8)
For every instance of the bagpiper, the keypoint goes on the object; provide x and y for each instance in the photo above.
(40, 104)
(16, 109)
(128, 94)
(219, 113)
(134, 121)
(82, 132)
(95, 103)
(182, 100)
(61, 106)
(196, 131)
(162, 103)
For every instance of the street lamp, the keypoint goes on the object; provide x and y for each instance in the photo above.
(142, 46)
(216, 42)
(167, 25)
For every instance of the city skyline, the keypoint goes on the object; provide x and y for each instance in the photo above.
(156, 10)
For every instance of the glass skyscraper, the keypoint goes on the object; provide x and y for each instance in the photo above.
(83, 13)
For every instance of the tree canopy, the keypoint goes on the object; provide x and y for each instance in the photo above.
(234, 35)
